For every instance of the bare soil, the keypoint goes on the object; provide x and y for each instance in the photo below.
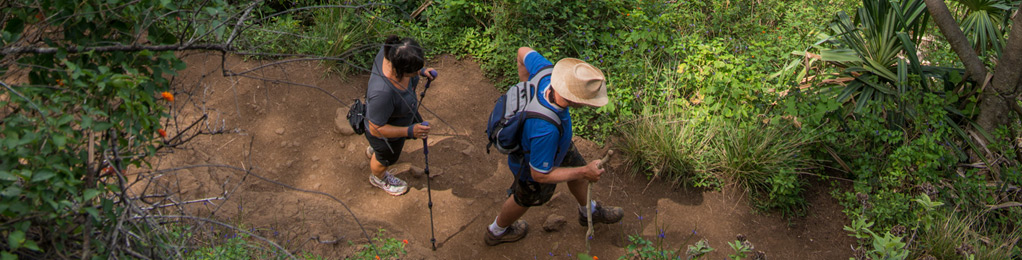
(289, 134)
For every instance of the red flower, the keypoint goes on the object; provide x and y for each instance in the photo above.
(162, 132)
(405, 241)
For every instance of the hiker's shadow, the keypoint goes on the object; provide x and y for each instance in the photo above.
(458, 164)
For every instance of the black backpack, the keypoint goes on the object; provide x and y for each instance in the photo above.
(356, 116)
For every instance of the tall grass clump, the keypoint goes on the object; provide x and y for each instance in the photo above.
(959, 235)
(764, 160)
(664, 145)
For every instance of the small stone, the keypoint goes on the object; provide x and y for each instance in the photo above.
(416, 172)
(316, 187)
(315, 158)
(283, 144)
(467, 151)
(314, 166)
(342, 144)
(329, 239)
(342, 122)
(279, 131)
(362, 164)
(554, 223)
(435, 172)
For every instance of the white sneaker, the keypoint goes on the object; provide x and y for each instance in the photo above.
(390, 184)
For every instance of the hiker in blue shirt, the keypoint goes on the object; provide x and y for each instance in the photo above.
(549, 152)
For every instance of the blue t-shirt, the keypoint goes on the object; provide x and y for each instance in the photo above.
(545, 146)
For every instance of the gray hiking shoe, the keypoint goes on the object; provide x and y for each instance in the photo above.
(390, 184)
(605, 215)
(515, 232)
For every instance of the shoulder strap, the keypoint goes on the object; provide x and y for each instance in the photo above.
(542, 73)
(536, 110)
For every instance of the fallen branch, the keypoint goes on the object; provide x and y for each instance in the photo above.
(116, 48)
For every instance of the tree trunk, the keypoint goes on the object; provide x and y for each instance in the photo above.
(959, 43)
(994, 102)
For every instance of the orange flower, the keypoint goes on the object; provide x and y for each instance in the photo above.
(60, 82)
(166, 95)
(596, 258)
(405, 241)
(162, 132)
(628, 14)
(377, 257)
(778, 37)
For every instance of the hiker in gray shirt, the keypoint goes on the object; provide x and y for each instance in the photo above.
(391, 107)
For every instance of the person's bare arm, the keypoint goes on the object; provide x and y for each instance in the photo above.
(523, 73)
(589, 172)
(390, 131)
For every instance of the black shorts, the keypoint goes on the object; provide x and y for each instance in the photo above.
(531, 193)
(387, 151)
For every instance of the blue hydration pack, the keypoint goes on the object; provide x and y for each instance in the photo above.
(504, 129)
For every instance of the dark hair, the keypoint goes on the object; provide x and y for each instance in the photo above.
(405, 55)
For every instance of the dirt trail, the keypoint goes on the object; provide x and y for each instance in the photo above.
(287, 133)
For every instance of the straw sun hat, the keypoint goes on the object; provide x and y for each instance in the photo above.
(579, 82)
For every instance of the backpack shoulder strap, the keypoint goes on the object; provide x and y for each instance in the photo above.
(536, 110)
(542, 73)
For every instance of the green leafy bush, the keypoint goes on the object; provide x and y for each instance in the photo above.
(78, 120)
(381, 248)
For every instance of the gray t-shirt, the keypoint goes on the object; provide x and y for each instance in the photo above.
(386, 104)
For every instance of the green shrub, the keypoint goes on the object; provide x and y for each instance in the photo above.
(765, 160)
(381, 248)
(671, 148)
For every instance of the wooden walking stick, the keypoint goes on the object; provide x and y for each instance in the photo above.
(589, 199)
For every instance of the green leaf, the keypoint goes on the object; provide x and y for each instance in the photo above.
(93, 212)
(42, 176)
(14, 25)
(11, 191)
(59, 141)
(840, 55)
(31, 245)
(15, 239)
(90, 193)
(7, 176)
(7, 256)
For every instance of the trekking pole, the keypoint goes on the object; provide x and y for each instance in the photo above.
(429, 193)
(589, 204)
(425, 153)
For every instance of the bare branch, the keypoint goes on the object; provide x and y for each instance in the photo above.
(116, 48)
(282, 249)
(241, 20)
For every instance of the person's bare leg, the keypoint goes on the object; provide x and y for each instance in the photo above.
(510, 212)
(523, 73)
(376, 167)
(578, 189)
